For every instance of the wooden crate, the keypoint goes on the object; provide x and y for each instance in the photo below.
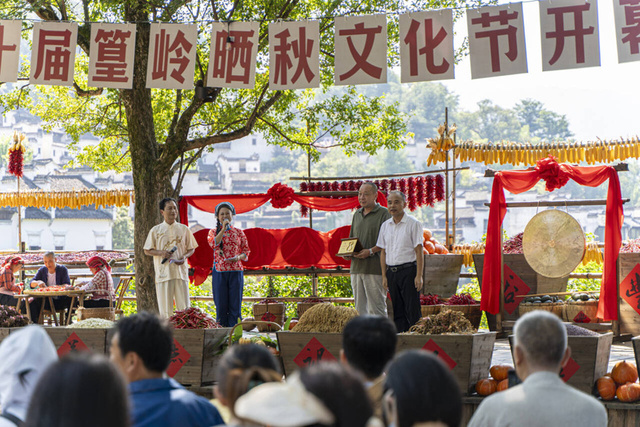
(628, 316)
(589, 359)
(441, 274)
(470, 355)
(537, 284)
(299, 349)
(70, 339)
(195, 355)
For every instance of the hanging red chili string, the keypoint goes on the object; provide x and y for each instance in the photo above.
(393, 185)
(384, 186)
(411, 194)
(303, 209)
(430, 197)
(440, 194)
(351, 186)
(420, 199)
(402, 186)
(343, 186)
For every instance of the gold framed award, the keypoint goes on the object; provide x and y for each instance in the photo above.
(349, 247)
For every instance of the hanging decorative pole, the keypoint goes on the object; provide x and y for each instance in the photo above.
(16, 164)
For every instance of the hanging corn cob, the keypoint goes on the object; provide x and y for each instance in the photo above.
(592, 254)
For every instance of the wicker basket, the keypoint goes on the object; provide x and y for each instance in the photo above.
(278, 309)
(556, 308)
(108, 313)
(304, 306)
(472, 312)
(572, 311)
(428, 310)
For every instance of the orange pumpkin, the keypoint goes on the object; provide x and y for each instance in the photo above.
(430, 247)
(445, 250)
(500, 372)
(503, 385)
(624, 372)
(629, 392)
(426, 233)
(486, 387)
(606, 388)
(440, 249)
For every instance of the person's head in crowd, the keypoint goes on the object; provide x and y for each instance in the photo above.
(396, 202)
(419, 388)
(540, 344)
(15, 263)
(78, 391)
(341, 390)
(241, 368)
(368, 195)
(25, 355)
(169, 209)
(141, 346)
(97, 263)
(49, 260)
(368, 344)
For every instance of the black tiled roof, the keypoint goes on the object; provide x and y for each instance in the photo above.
(86, 212)
(36, 213)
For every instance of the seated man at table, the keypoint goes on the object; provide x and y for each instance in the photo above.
(141, 347)
(543, 399)
(52, 274)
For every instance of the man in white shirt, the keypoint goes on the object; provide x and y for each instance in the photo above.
(543, 399)
(402, 261)
(170, 244)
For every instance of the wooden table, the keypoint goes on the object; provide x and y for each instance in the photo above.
(74, 294)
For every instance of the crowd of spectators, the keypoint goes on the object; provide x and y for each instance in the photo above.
(372, 386)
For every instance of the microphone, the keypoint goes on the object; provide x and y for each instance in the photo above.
(175, 248)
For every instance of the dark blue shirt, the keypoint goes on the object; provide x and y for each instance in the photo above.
(62, 275)
(163, 402)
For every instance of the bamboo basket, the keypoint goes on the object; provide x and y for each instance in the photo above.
(108, 313)
(428, 310)
(304, 306)
(278, 309)
(472, 312)
(573, 309)
(553, 307)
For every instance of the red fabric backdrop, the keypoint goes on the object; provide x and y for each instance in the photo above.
(299, 247)
(555, 175)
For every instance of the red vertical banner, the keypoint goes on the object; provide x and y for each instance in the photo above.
(9, 50)
(233, 55)
(53, 53)
(569, 32)
(294, 55)
(172, 56)
(111, 55)
(426, 46)
(627, 18)
(360, 50)
(496, 40)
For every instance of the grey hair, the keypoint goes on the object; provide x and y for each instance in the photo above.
(399, 193)
(49, 254)
(542, 337)
(373, 186)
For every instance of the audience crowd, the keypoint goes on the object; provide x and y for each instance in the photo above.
(371, 386)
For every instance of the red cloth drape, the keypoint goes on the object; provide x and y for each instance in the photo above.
(248, 202)
(520, 181)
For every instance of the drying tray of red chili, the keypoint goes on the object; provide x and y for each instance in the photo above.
(461, 299)
(430, 299)
(193, 318)
(632, 246)
(50, 291)
(71, 258)
(513, 245)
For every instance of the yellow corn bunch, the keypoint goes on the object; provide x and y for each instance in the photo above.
(441, 145)
(467, 250)
(592, 254)
(70, 199)
(527, 154)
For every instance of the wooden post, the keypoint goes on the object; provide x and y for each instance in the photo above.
(314, 284)
(309, 177)
(447, 237)
(19, 217)
(453, 198)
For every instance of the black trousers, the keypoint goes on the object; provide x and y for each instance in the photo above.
(404, 297)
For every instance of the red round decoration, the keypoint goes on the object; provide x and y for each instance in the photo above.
(553, 173)
(281, 196)
(334, 244)
(202, 259)
(302, 246)
(263, 246)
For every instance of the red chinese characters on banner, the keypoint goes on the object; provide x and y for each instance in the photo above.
(111, 55)
(496, 40)
(569, 370)
(179, 357)
(514, 286)
(234, 50)
(312, 353)
(630, 288)
(426, 46)
(54, 53)
(569, 30)
(627, 18)
(438, 351)
(172, 56)
(294, 55)
(360, 50)
(71, 344)
(9, 50)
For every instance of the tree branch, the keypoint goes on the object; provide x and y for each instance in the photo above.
(86, 93)
(282, 134)
(44, 12)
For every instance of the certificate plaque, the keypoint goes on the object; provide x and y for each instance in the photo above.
(349, 247)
